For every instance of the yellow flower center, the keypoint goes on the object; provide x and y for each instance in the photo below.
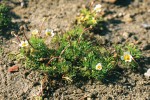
(97, 9)
(99, 67)
(48, 33)
(24, 44)
(126, 57)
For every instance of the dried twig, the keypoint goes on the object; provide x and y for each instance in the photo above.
(63, 50)
(16, 37)
(52, 60)
(86, 29)
(41, 27)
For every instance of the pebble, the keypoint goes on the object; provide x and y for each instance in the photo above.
(22, 3)
(79, 91)
(5, 66)
(146, 26)
(110, 85)
(121, 14)
(94, 86)
(89, 99)
(127, 18)
(147, 74)
(125, 35)
(70, 91)
(110, 1)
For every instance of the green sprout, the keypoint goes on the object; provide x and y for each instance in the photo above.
(90, 17)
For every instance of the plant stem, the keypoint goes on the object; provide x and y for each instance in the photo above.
(28, 40)
(41, 27)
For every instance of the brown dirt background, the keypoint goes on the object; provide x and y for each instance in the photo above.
(124, 85)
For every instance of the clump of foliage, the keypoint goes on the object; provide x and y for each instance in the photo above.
(130, 53)
(90, 17)
(71, 55)
(5, 19)
(79, 57)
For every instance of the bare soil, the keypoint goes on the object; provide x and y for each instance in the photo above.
(125, 24)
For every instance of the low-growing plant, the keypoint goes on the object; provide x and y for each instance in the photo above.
(5, 19)
(129, 54)
(71, 55)
(91, 17)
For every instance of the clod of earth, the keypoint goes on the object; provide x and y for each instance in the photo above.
(14, 68)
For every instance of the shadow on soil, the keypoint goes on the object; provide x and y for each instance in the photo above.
(143, 65)
(123, 2)
(6, 33)
(113, 76)
(101, 29)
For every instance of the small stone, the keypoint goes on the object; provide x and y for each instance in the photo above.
(5, 66)
(88, 95)
(146, 26)
(79, 91)
(127, 18)
(74, 91)
(147, 74)
(89, 99)
(121, 14)
(110, 1)
(110, 86)
(21, 28)
(125, 35)
(13, 32)
(22, 3)
(115, 15)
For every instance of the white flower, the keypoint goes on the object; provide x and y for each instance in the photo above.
(99, 66)
(97, 8)
(34, 32)
(127, 57)
(23, 44)
(49, 32)
(147, 74)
